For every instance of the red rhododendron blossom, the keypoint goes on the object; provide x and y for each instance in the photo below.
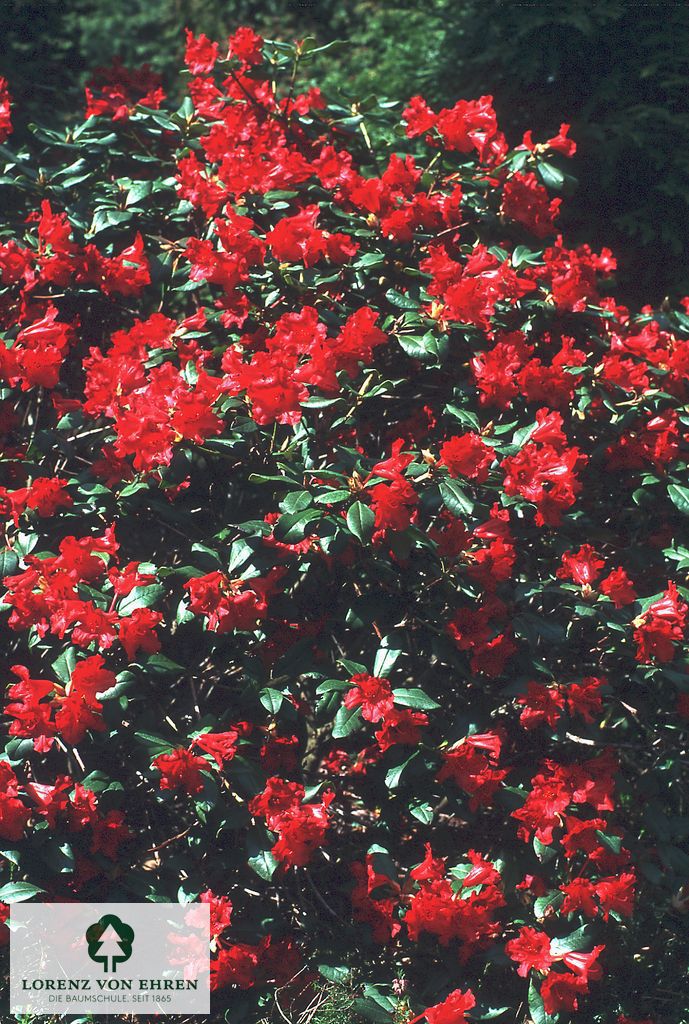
(619, 588)
(531, 950)
(200, 54)
(5, 110)
(227, 604)
(467, 456)
(114, 91)
(453, 1009)
(582, 566)
(301, 827)
(562, 992)
(181, 770)
(542, 705)
(472, 766)
(222, 746)
(14, 816)
(372, 695)
(660, 626)
(525, 200)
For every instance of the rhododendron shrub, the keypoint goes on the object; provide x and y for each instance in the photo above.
(344, 578)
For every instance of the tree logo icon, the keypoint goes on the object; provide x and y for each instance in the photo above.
(110, 942)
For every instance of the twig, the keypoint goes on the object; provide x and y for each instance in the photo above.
(320, 898)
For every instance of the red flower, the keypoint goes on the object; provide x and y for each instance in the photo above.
(584, 698)
(372, 695)
(393, 504)
(472, 770)
(200, 53)
(619, 588)
(660, 626)
(227, 604)
(579, 895)
(29, 709)
(297, 239)
(430, 869)
(220, 911)
(222, 746)
(5, 109)
(79, 710)
(246, 45)
(452, 1010)
(546, 476)
(531, 950)
(582, 566)
(617, 894)
(401, 725)
(181, 770)
(542, 705)
(562, 991)
(467, 455)
(137, 632)
(14, 816)
(525, 200)
(301, 827)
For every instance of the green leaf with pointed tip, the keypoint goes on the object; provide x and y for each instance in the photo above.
(347, 720)
(361, 520)
(679, 496)
(18, 892)
(455, 498)
(414, 698)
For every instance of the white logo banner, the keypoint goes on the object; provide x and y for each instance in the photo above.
(109, 958)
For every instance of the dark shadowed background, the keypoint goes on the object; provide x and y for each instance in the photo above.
(617, 71)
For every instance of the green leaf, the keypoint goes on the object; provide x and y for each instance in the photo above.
(455, 499)
(264, 864)
(372, 1011)
(427, 348)
(296, 501)
(522, 255)
(386, 658)
(369, 259)
(551, 176)
(612, 843)
(336, 975)
(414, 698)
(141, 597)
(332, 497)
(400, 300)
(260, 859)
(679, 496)
(576, 940)
(154, 744)
(543, 852)
(347, 720)
(58, 856)
(18, 892)
(422, 811)
(63, 666)
(271, 700)
(394, 775)
(361, 520)
(9, 563)
(489, 1013)
(291, 526)
(543, 903)
(536, 1007)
